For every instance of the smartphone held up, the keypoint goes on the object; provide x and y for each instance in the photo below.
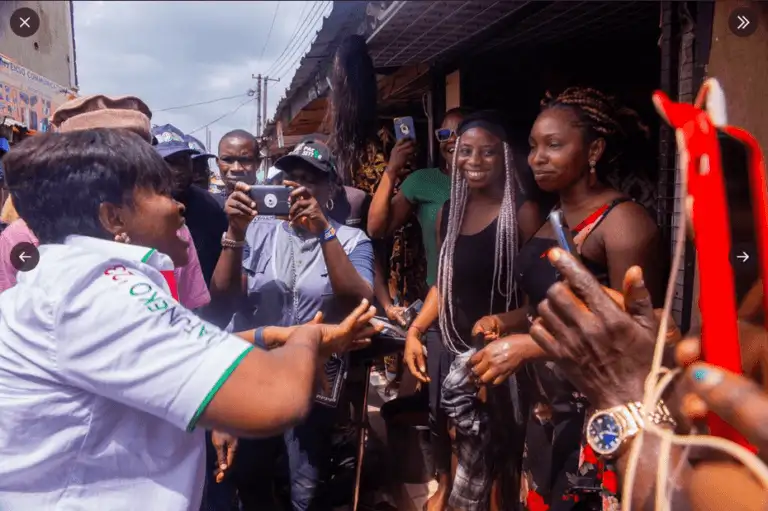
(271, 200)
(404, 128)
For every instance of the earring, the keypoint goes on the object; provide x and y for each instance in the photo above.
(123, 237)
(592, 164)
(329, 205)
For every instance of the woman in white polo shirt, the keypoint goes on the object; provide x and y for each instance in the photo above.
(103, 376)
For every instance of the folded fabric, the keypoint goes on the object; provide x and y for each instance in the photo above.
(472, 483)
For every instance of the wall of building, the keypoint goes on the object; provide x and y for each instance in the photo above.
(741, 66)
(50, 52)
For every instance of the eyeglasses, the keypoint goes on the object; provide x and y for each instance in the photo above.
(444, 134)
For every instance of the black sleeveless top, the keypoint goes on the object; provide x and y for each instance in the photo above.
(473, 263)
(534, 274)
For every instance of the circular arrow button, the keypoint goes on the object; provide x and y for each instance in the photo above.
(24, 256)
(743, 21)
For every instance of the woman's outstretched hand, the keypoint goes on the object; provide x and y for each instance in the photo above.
(605, 350)
(351, 334)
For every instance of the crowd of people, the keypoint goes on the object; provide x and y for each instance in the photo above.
(173, 344)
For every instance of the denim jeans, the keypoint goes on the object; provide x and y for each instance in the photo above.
(308, 450)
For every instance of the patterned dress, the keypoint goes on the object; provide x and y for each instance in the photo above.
(406, 255)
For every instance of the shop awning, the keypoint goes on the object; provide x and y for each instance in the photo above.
(308, 83)
(409, 32)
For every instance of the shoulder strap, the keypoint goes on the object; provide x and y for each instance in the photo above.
(589, 224)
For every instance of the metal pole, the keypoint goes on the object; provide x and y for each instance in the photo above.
(257, 130)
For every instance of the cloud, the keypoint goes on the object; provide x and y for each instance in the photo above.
(178, 53)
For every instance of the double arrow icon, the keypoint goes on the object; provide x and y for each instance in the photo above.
(743, 22)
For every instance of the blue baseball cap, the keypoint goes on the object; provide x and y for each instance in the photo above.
(170, 140)
(198, 149)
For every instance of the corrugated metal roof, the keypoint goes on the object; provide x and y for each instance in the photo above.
(308, 82)
(418, 32)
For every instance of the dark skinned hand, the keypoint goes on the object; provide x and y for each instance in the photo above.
(353, 333)
(305, 211)
(605, 351)
(240, 210)
(414, 356)
(488, 328)
(226, 447)
(496, 362)
(399, 156)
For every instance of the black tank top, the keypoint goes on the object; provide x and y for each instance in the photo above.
(473, 263)
(534, 274)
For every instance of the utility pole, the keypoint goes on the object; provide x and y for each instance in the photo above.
(257, 131)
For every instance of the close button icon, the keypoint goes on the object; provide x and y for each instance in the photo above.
(25, 22)
(743, 21)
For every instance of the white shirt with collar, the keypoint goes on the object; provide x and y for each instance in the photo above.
(102, 379)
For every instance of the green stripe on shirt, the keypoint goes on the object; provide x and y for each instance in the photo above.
(209, 397)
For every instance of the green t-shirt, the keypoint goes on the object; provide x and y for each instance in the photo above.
(427, 190)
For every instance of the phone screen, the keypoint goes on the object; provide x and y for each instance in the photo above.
(744, 257)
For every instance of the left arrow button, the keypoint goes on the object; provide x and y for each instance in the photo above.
(25, 256)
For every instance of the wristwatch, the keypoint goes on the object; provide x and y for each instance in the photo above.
(609, 431)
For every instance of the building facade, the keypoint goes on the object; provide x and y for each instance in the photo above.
(39, 72)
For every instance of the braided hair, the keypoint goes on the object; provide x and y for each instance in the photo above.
(506, 233)
(601, 116)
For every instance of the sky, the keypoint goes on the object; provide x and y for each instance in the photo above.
(172, 54)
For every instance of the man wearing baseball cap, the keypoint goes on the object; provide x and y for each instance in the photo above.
(100, 111)
(204, 216)
(201, 172)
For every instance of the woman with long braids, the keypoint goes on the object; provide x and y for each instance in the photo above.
(479, 230)
(581, 140)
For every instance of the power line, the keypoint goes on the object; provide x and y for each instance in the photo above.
(269, 32)
(299, 49)
(299, 23)
(299, 40)
(221, 117)
(199, 103)
(302, 53)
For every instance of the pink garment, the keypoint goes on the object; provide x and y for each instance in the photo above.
(193, 292)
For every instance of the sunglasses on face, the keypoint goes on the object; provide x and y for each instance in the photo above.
(444, 134)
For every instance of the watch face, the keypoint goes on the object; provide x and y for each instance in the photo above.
(604, 433)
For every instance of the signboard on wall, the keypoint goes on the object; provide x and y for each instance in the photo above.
(27, 97)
